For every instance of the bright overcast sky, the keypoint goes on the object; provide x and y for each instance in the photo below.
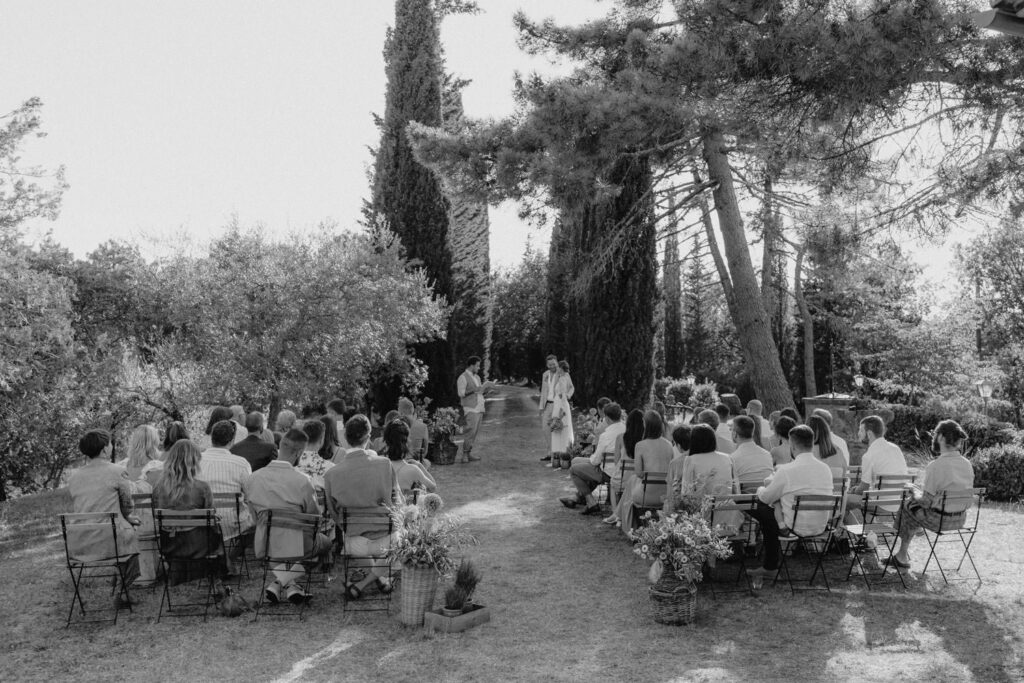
(176, 115)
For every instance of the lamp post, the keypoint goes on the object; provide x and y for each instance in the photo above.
(984, 388)
(858, 380)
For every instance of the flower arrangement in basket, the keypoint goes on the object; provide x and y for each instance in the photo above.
(423, 543)
(680, 543)
(444, 424)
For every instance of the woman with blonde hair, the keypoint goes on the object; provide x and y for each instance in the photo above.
(143, 458)
(178, 489)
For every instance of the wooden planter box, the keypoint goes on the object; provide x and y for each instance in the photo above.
(433, 620)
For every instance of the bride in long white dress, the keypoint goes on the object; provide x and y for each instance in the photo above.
(562, 439)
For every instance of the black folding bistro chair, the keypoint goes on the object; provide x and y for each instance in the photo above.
(289, 539)
(375, 517)
(959, 514)
(192, 550)
(92, 552)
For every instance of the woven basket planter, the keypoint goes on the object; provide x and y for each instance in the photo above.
(419, 587)
(443, 452)
(673, 601)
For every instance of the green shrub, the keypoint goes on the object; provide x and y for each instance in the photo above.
(1000, 469)
(911, 428)
(679, 391)
(704, 396)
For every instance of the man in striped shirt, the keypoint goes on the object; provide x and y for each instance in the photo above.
(226, 472)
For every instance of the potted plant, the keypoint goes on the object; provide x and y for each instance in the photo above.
(678, 544)
(442, 427)
(459, 612)
(422, 544)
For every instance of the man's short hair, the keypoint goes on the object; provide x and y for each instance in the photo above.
(551, 356)
(602, 402)
(314, 430)
(722, 411)
(874, 424)
(406, 407)
(472, 360)
(293, 444)
(744, 427)
(802, 439)
(709, 418)
(356, 430)
(755, 407)
(254, 422)
(613, 411)
(681, 437)
(223, 433)
(337, 405)
(784, 426)
(824, 415)
(93, 442)
(285, 420)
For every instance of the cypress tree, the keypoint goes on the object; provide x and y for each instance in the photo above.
(407, 196)
(673, 306)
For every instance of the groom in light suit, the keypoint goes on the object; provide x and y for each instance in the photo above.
(547, 399)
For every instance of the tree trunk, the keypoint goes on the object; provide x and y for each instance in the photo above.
(810, 385)
(747, 308)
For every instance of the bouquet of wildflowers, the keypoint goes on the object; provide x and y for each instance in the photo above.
(425, 538)
(556, 423)
(444, 424)
(680, 543)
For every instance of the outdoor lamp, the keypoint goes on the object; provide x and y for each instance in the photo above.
(858, 379)
(984, 388)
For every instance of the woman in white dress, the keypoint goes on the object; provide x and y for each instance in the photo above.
(561, 439)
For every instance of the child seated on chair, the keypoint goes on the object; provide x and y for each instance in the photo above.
(949, 472)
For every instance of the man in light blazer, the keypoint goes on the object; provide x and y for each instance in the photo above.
(547, 399)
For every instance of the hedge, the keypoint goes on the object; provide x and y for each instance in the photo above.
(1000, 469)
(911, 427)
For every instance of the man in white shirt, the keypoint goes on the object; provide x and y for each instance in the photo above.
(751, 464)
(724, 428)
(839, 441)
(547, 400)
(755, 410)
(471, 394)
(805, 475)
(882, 457)
(226, 472)
(586, 473)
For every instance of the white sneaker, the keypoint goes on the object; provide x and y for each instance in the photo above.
(871, 539)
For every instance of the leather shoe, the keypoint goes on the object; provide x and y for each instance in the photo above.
(473, 458)
(569, 502)
(592, 510)
(895, 562)
(272, 592)
(297, 596)
(546, 458)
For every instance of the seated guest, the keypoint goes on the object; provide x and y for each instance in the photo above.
(143, 458)
(238, 416)
(179, 489)
(755, 411)
(176, 431)
(804, 476)
(881, 458)
(219, 414)
(825, 448)
(362, 480)
(950, 472)
(377, 443)
(417, 429)
(773, 421)
(337, 409)
(253, 448)
(839, 441)
(625, 451)
(724, 428)
(586, 472)
(101, 486)
(659, 408)
(710, 418)
(410, 474)
(329, 448)
(226, 472)
(653, 454)
(781, 454)
(310, 463)
(681, 448)
(705, 472)
(791, 414)
(280, 486)
(285, 421)
(750, 463)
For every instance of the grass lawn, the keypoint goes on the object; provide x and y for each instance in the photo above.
(568, 601)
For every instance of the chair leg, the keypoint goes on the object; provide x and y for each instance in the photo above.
(77, 597)
(263, 590)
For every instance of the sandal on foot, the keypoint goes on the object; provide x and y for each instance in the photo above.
(610, 520)
(385, 586)
(352, 591)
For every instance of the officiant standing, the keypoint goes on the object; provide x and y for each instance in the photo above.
(471, 394)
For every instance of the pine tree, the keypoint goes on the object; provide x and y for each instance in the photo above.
(407, 197)
(673, 305)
